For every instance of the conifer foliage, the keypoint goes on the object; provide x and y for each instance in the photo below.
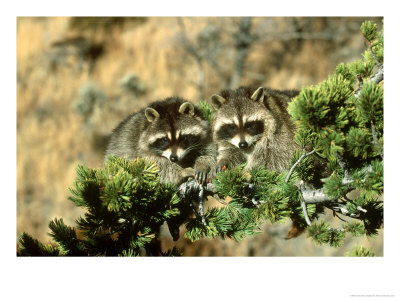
(340, 131)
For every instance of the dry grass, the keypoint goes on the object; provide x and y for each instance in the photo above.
(52, 138)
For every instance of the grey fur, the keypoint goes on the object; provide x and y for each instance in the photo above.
(134, 136)
(271, 145)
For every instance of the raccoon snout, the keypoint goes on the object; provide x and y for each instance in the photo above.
(243, 145)
(173, 158)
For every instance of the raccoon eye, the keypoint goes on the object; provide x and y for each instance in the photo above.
(227, 131)
(161, 143)
(255, 127)
(188, 140)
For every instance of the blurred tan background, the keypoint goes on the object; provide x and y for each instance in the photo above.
(77, 78)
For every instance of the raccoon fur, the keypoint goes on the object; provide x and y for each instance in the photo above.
(171, 132)
(253, 126)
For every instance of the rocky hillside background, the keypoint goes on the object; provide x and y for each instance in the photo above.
(77, 78)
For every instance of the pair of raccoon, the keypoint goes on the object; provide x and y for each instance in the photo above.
(250, 126)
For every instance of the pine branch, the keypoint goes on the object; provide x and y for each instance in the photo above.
(297, 162)
(373, 55)
(370, 49)
(310, 196)
(377, 78)
(201, 195)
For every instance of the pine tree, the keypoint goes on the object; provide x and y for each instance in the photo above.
(340, 131)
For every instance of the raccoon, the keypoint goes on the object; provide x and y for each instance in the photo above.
(171, 132)
(253, 126)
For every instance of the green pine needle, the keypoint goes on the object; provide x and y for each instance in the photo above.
(369, 30)
(32, 247)
(206, 110)
(360, 251)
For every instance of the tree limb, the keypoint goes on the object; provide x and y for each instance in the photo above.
(304, 206)
(315, 196)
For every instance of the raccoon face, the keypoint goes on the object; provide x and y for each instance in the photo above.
(241, 121)
(176, 134)
(174, 146)
(242, 131)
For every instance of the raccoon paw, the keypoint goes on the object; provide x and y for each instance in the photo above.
(201, 176)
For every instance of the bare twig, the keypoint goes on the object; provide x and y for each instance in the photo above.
(297, 162)
(201, 195)
(342, 209)
(306, 217)
(304, 206)
(359, 208)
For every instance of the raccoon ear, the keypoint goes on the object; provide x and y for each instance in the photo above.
(151, 114)
(258, 95)
(217, 101)
(187, 108)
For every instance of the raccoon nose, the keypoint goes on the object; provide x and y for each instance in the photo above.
(243, 145)
(173, 158)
